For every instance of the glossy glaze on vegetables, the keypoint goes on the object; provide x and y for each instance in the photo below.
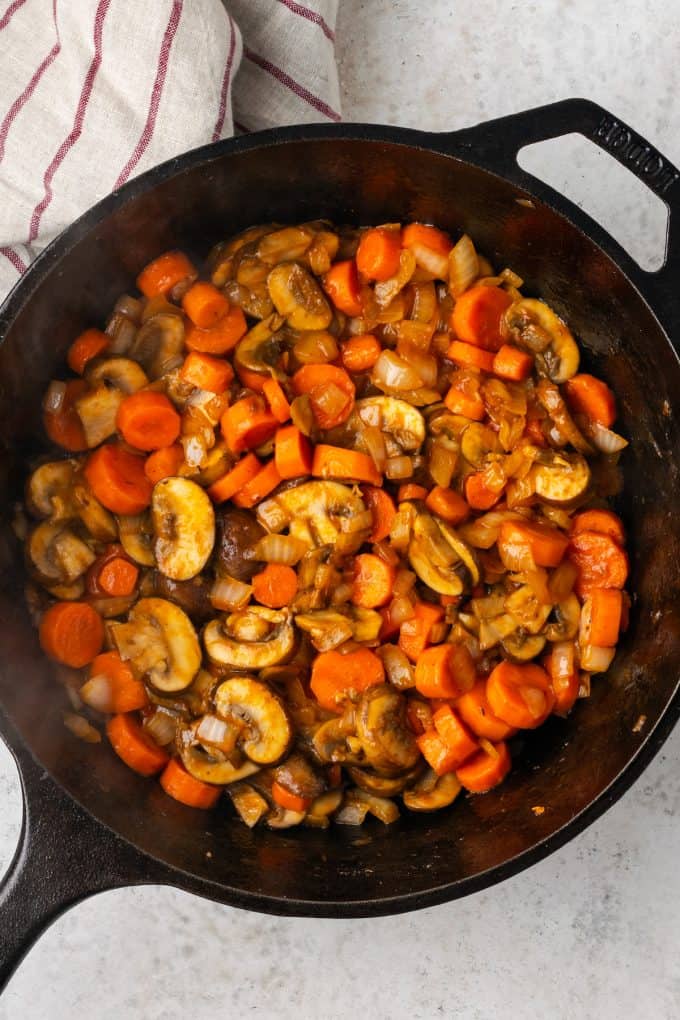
(327, 524)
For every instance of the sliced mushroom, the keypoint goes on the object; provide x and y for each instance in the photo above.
(136, 537)
(320, 810)
(522, 646)
(237, 533)
(328, 507)
(386, 739)
(331, 741)
(48, 492)
(68, 592)
(567, 618)
(382, 786)
(462, 550)
(328, 628)
(160, 642)
(193, 596)
(260, 349)
(284, 818)
(267, 732)
(298, 297)
(398, 418)
(432, 558)
(561, 478)
(297, 775)
(228, 643)
(72, 555)
(183, 522)
(122, 374)
(97, 410)
(432, 792)
(526, 610)
(158, 344)
(477, 441)
(284, 245)
(533, 324)
(250, 805)
(57, 554)
(551, 399)
(208, 769)
(99, 521)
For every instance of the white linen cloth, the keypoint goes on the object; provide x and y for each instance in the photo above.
(94, 92)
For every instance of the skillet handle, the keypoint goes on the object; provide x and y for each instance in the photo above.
(63, 857)
(496, 144)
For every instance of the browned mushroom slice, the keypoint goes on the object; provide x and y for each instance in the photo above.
(136, 537)
(238, 533)
(285, 245)
(396, 417)
(567, 617)
(298, 297)
(522, 647)
(297, 775)
(48, 492)
(267, 732)
(386, 739)
(122, 374)
(159, 343)
(382, 786)
(250, 639)
(357, 804)
(336, 740)
(432, 792)
(561, 478)
(523, 605)
(322, 808)
(57, 554)
(100, 523)
(329, 508)
(260, 349)
(160, 643)
(433, 558)
(183, 521)
(534, 325)
(250, 805)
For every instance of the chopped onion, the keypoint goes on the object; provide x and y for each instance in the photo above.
(194, 450)
(424, 364)
(443, 461)
(438, 632)
(81, 728)
(397, 468)
(424, 302)
(596, 659)
(227, 593)
(374, 443)
(397, 667)
(54, 397)
(357, 522)
(212, 730)
(562, 581)
(316, 348)
(463, 266)
(417, 334)
(97, 693)
(280, 549)
(371, 415)
(562, 661)
(604, 439)
(400, 532)
(400, 610)
(431, 261)
(392, 371)
(161, 726)
(342, 593)
(517, 556)
(330, 399)
(403, 582)
(122, 331)
(129, 306)
(584, 685)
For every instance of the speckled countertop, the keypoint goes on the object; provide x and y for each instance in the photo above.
(592, 932)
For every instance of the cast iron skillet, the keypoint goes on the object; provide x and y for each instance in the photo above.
(89, 823)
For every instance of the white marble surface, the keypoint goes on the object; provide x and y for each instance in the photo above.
(592, 932)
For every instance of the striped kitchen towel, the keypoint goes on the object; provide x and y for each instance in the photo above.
(93, 92)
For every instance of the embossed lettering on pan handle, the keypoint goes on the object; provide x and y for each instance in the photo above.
(496, 143)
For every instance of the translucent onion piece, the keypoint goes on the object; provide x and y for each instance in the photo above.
(122, 330)
(463, 266)
(563, 660)
(605, 440)
(280, 549)
(562, 581)
(584, 685)
(534, 699)
(330, 399)
(431, 261)
(212, 730)
(399, 670)
(374, 444)
(400, 610)
(98, 694)
(195, 450)
(424, 364)
(393, 372)
(397, 468)
(54, 397)
(403, 582)
(443, 461)
(386, 291)
(424, 302)
(357, 522)
(227, 593)
(132, 307)
(400, 532)
(161, 726)
(81, 728)
(595, 659)
(316, 348)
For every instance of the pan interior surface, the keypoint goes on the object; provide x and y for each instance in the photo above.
(563, 767)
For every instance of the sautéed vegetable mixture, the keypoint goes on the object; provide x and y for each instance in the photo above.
(327, 525)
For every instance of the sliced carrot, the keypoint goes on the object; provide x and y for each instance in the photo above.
(591, 397)
(252, 380)
(206, 372)
(118, 577)
(436, 753)
(72, 633)
(247, 423)
(464, 397)
(127, 693)
(317, 381)
(546, 545)
(511, 363)
(429, 237)
(372, 581)
(341, 283)
(604, 522)
(565, 682)
(347, 465)
(601, 617)
(521, 696)
(134, 745)
(478, 495)
(378, 253)
(228, 485)
(414, 634)
(444, 671)
(455, 734)
(410, 491)
(600, 561)
(205, 304)
(164, 462)
(335, 676)
(290, 801)
(64, 427)
(264, 482)
(382, 507)
(470, 356)
(277, 400)
(161, 275)
(360, 353)
(292, 453)
(275, 586)
(85, 347)
(117, 479)
(148, 420)
(221, 337)
(185, 788)
(484, 771)
(477, 316)
(474, 709)
(447, 504)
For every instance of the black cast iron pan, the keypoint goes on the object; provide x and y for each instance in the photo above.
(89, 823)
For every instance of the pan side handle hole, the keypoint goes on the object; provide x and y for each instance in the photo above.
(606, 190)
(10, 815)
